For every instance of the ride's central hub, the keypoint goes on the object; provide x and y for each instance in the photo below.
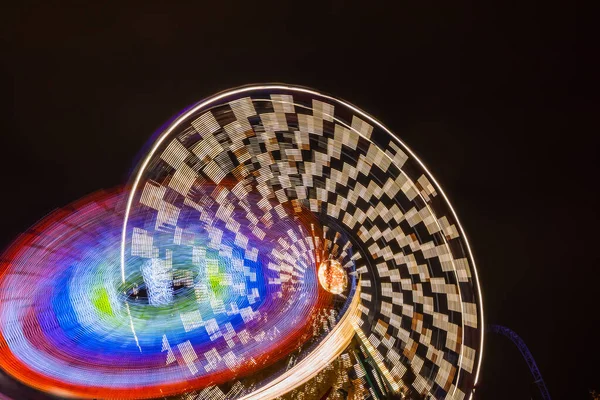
(332, 276)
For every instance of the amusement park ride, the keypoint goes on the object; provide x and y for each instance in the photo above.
(274, 242)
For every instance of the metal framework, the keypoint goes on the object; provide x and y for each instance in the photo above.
(527, 356)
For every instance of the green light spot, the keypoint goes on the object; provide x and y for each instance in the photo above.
(214, 281)
(100, 300)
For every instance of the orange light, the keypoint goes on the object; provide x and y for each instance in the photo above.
(332, 276)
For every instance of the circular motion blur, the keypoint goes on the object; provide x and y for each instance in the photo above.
(273, 242)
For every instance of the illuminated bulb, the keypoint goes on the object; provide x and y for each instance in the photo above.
(332, 276)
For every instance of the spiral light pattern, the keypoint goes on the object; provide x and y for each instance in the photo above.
(199, 278)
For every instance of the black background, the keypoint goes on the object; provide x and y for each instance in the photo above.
(498, 100)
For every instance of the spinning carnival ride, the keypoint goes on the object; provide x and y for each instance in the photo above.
(274, 241)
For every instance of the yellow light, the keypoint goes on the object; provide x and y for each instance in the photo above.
(332, 276)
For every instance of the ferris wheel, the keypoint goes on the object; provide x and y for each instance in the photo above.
(274, 241)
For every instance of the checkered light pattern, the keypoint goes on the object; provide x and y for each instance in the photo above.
(247, 164)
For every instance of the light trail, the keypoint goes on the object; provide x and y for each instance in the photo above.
(327, 351)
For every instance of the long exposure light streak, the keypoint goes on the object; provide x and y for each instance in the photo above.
(320, 357)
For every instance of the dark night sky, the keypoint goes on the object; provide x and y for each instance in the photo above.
(497, 100)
